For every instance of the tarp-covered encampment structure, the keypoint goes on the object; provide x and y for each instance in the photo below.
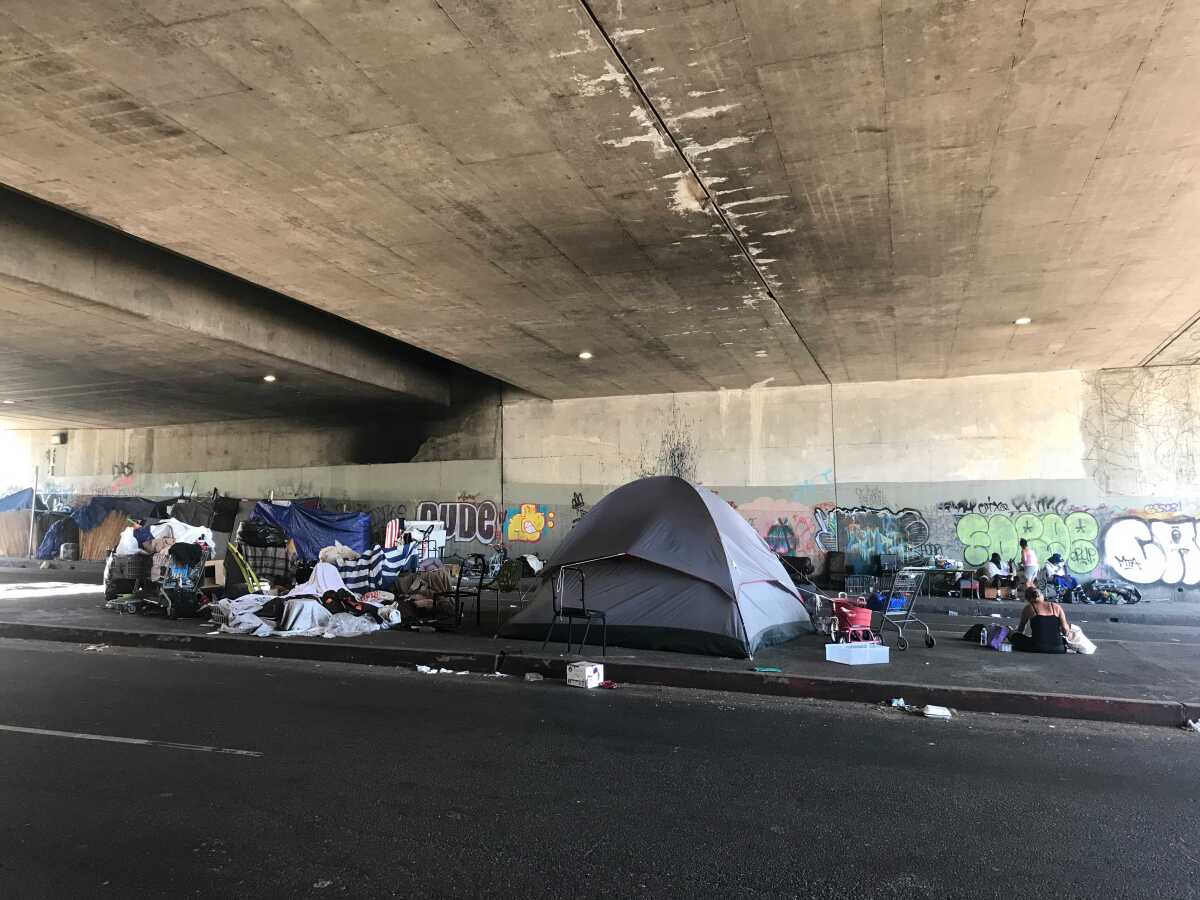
(18, 500)
(14, 522)
(314, 529)
(675, 568)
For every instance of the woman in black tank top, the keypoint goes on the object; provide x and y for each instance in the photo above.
(1048, 626)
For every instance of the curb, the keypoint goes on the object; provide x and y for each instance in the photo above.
(1163, 713)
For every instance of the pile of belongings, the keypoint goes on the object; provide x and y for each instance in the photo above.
(1104, 590)
(158, 538)
(264, 546)
(320, 607)
(377, 568)
(324, 606)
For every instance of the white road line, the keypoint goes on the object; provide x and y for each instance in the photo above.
(112, 739)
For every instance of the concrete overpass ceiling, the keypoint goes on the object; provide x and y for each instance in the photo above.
(702, 194)
(77, 364)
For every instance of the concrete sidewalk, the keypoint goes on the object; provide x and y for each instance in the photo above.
(1140, 674)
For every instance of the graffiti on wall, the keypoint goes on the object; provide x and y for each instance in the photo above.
(786, 526)
(865, 533)
(466, 520)
(381, 515)
(1074, 537)
(528, 522)
(1154, 552)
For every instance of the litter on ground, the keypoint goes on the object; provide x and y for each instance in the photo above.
(95, 648)
(429, 670)
(929, 711)
(1193, 725)
(532, 676)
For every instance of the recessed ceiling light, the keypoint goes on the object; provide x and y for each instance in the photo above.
(586, 354)
(268, 378)
(1024, 320)
(8, 402)
(760, 353)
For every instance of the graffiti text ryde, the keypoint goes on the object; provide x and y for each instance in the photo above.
(1155, 552)
(465, 520)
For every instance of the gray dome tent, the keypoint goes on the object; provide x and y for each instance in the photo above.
(675, 568)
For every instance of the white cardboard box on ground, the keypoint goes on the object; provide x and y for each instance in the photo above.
(856, 654)
(585, 674)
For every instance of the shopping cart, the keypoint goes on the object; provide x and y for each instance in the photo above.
(860, 585)
(851, 622)
(899, 605)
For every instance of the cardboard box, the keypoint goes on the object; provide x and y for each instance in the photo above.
(857, 654)
(585, 674)
(214, 573)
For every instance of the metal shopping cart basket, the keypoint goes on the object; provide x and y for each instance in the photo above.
(899, 605)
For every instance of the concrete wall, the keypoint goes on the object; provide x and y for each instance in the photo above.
(1100, 466)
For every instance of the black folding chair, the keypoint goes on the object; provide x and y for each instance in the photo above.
(571, 613)
(468, 585)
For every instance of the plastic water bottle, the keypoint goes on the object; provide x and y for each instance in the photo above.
(983, 641)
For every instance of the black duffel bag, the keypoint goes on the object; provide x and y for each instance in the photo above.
(256, 533)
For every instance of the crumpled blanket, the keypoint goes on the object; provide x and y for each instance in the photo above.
(426, 584)
(302, 617)
(238, 616)
(324, 578)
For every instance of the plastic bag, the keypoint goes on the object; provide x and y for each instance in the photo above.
(1079, 642)
(347, 625)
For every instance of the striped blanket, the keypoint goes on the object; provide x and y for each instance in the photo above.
(373, 571)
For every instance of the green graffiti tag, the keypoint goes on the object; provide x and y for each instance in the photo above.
(1047, 533)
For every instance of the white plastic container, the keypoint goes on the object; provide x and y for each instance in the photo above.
(585, 674)
(857, 654)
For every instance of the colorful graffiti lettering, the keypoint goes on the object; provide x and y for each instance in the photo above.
(528, 523)
(465, 520)
(866, 533)
(1047, 533)
(1155, 552)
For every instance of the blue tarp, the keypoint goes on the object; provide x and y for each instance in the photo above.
(315, 529)
(95, 512)
(55, 536)
(19, 500)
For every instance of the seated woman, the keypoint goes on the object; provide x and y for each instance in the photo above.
(1048, 626)
(994, 571)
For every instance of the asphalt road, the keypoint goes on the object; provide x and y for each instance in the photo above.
(375, 783)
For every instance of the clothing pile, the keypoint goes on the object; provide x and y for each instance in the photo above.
(320, 607)
(158, 538)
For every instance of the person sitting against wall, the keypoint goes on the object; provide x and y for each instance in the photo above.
(1047, 625)
(994, 571)
(1056, 574)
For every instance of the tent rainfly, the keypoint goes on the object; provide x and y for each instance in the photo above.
(675, 568)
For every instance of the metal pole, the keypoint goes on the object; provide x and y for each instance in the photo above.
(32, 509)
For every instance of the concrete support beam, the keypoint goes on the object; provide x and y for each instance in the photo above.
(46, 252)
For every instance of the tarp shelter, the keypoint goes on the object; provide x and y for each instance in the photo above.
(98, 509)
(18, 500)
(314, 529)
(675, 568)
